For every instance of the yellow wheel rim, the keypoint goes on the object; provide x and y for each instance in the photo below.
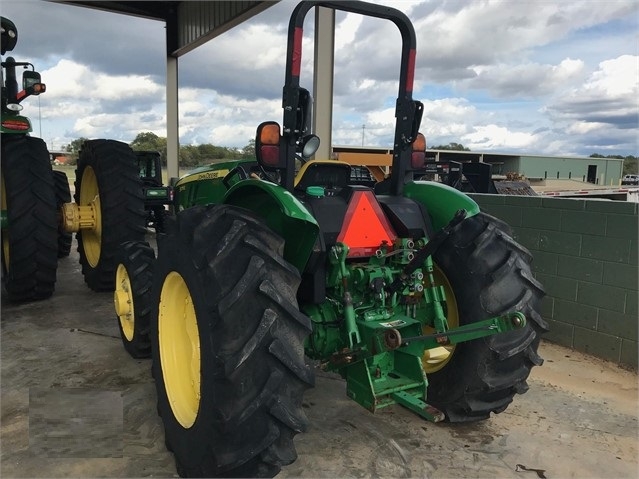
(435, 359)
(179, 345)
(123, 301)
(5, 235)
(90, 196)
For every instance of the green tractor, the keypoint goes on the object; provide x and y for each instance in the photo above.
(38, 217)
(411, 293)
(156, 195)
(29, 215)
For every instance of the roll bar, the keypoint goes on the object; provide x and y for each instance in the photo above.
(408, 112)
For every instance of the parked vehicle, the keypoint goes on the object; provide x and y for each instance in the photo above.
(156, 196)
(38, 216)
(415, 297)
(29, 213)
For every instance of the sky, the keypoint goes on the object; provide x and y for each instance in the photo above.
(551, 77)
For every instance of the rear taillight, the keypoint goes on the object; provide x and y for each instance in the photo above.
(15, 124)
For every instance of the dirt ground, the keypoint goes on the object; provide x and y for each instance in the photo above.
(74, 404)
(578, 420)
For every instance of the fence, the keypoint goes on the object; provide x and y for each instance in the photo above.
(585, 253)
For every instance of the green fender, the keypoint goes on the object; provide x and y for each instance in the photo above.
(281, 212)
(204, 185)
(442, 201)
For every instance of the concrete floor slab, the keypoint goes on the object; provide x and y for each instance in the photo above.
(74, 404)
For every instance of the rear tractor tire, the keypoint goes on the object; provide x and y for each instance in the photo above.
(227, 342)
(132, 297)
(30, 238)
(62, 196)
(107, 178)
(485, 273)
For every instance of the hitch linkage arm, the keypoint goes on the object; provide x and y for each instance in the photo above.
(427, 250)
(488, 327)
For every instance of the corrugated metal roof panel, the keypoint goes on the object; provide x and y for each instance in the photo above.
(195, 22)
(198, 22)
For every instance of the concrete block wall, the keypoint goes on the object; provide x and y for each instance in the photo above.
(585, 253)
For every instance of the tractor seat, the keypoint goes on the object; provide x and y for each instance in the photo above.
(327, 173)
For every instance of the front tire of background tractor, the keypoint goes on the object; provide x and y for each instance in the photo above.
(227, 342)
(62, 196)
(487, 274)
(132, 296)
(107, 177)
(30, 241)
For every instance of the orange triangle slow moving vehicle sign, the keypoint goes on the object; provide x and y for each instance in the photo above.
(365, 227)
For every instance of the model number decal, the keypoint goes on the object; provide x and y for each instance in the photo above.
(207, 175)
(211, 175)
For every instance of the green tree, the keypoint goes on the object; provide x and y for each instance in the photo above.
(210, 153)
(630, 162)
(630, 165)
(192, 155)
(451, 146)
(75, 145)
(235, 153)
(189, 156)
(73, 150)
(148, 141)
(249, 150)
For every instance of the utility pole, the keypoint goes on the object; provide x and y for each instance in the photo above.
(363, 128)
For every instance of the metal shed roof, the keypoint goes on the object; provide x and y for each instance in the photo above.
(189, 23)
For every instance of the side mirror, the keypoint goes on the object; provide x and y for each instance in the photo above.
(267, 146)
(32, 84)
(418, 152)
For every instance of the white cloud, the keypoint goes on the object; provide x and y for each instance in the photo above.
(491, 137)
(80, 103)
(345, 30)
(482, 32)
(610, 95)
(208, 117)
(555, 77)
(68, 79)
(583, 127)
(118, 126)
(525, 80)
(616, 78)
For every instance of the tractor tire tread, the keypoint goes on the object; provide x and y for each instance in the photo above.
(62, 196)
(491, 275)
(121, 204)
(29, 274)
(138, 258)
(249, 322)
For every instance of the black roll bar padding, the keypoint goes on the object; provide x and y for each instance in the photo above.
(407, 112)
(11, 82)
